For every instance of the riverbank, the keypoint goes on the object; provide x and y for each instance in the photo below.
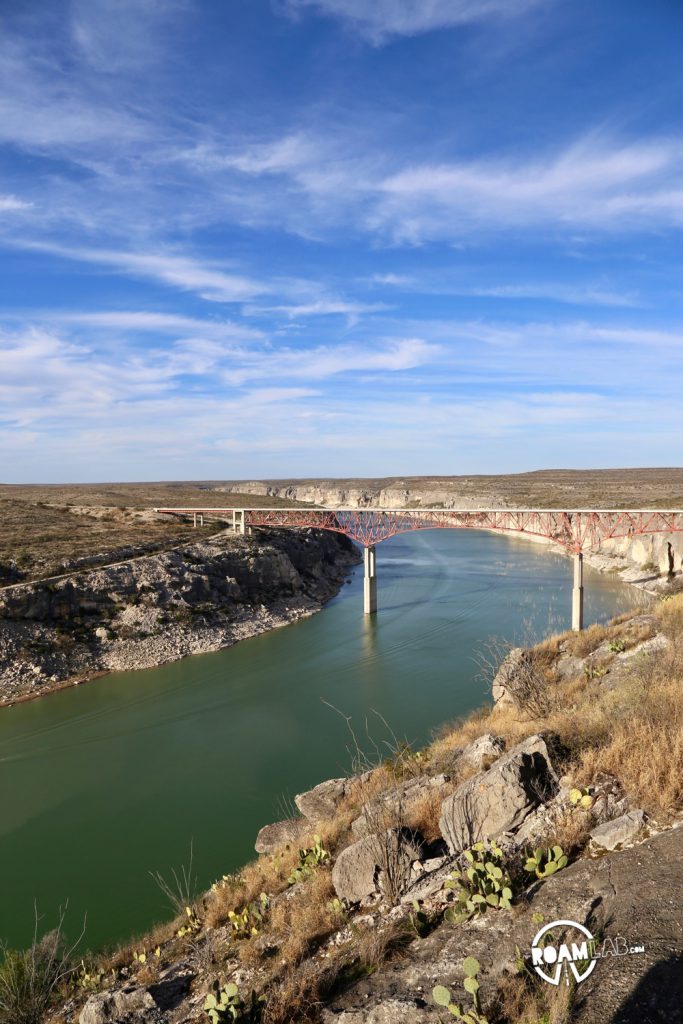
(196, 598)
(581, 750)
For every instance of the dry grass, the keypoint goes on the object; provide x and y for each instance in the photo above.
(423, 815)
(645, 753)
(123, 956)
(43, 529)
(521, 1000)
(267, 874)
(571, 831)
(296, 995)
(633, 732)
(305, 918)
(579, 645)
(669, 614)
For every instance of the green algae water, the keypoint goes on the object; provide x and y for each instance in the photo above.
(106, 782)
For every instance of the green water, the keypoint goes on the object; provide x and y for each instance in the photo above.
(103, 783)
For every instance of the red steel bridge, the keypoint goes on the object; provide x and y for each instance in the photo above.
(576, 530)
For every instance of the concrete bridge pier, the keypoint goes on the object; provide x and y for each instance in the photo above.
(370, 581)
(577, 592)
(239, 521)
(198, 519)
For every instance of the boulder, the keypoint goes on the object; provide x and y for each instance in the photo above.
(498, 800)
(280, 833)
(516, 661)
(391, 807)
(112, 1007)
(376, 863)
(482, 752)
(323, 800)
(569, 667)
(619, 831)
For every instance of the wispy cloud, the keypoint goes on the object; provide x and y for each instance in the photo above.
(578, 294)
(310, 183)
(385, 19)
(591, 183)
(8, 204)
(143, 320)
(182, 272)
(323, 361)
(103, 37)
(321, 307)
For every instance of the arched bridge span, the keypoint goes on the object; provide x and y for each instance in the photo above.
(577, 530)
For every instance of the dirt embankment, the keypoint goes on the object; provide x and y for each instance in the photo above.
(146, 611)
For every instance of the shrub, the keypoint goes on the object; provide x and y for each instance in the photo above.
(30, 979)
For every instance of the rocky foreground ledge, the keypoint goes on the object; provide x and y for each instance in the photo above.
(140, 613)
(424, 879)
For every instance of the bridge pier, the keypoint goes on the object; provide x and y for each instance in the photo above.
(370, 581)
(577, 592)
(239, 517)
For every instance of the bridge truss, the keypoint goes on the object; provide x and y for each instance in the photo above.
(576, 530)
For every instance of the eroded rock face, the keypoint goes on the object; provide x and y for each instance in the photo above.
(516, 661)
(138, 614)
(112, 1007)
(633, 895)
(322, 801)
(396, 804)
(482, 751)
(361, 870)
(618, 831)
(280, 833)
(498, 800)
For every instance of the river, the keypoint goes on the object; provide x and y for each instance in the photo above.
(104, 783)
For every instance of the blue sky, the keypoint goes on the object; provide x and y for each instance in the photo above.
(247, 238)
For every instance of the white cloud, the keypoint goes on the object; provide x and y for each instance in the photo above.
(284, 155)
(45, 105)
(574, 295)
(314, 184)
(183, 272)
(260, 406)
(438, 283)
(124, 36)
(8, 204)
(379, 20)
(592, 183)
(324, 361)
(321, 307)
(167, 323)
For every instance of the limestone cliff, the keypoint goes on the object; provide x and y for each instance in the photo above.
(143, 612)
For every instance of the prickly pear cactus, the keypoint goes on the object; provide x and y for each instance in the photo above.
(543, 863)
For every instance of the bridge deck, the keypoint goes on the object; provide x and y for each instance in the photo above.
(575, 529)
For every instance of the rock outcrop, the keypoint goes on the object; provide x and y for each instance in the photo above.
(626, 898)
(499, 799)
(619, 830)
(141, 613)
(376, 864)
